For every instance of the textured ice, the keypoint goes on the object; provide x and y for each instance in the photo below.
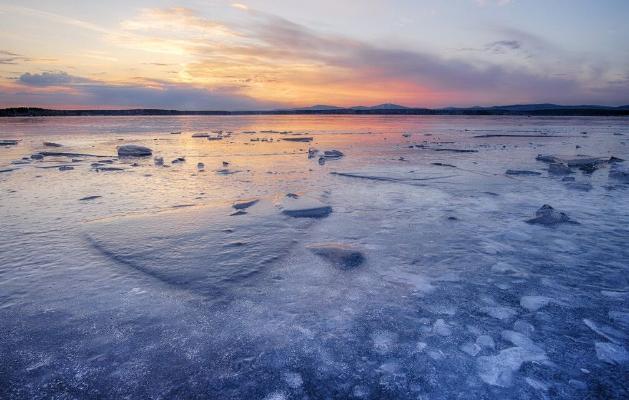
(155, 291)
(499, 312)
(486, 341)
(471, 349)
(523, 327)
(440, 327)
(534, 303)
(384, 341)
(293, 380)
(535, 384)
(173, 247)
(620, 317)
(605, 331)
(611, 353)
(304, 207)
(341, 256)
(498, 370)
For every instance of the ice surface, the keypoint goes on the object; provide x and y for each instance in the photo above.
(499, 312)
(155, 290)
(498, 370)
(173, 247)
(534, 303)
(611, 353)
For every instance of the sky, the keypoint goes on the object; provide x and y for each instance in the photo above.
(269, 54)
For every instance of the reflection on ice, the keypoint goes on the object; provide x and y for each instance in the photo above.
(404, 269)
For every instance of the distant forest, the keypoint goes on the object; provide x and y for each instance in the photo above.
(543, 110)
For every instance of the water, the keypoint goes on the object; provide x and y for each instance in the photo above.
(154, 290)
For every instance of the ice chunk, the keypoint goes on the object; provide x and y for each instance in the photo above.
(244, 204)
(578, 384)
(547, 215)
(506, 268)
(522, 172)
(298, 139)
(416, 281)
(293, 380)
(579, 161)
(333, 154)
(523, 327)
(616, 295)
(611, 353)
(471, 349)
(486, 341)
(276, 396)
(520, 340)
(133, 150)
(305, 208)
(582, 186)
(537, 385)
(605, 331)
(440, 327)
(500, 312)
(559, 169)
(87, 198)
(498, 370)
(360, 391)
(384, 341)
(340, 255)
(534, 303)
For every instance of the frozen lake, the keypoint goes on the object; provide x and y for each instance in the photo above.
(419, 278)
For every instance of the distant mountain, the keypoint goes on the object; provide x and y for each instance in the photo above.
(324, 107)
(542, 108)
(545, 106)
(385, 106)
(318, 107)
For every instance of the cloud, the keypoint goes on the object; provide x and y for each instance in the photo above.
(51, 88)
(52, 17)
(275, 61)
(501, 46)
(484, 3)
(50, 79)
(10, 58)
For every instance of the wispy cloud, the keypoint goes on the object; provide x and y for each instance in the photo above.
(10, 58)
(484, 3)
(52, 17)
(501, 46)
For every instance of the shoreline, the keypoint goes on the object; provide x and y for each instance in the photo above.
(550, 112)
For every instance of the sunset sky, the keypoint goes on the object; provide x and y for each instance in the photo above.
(265, 54)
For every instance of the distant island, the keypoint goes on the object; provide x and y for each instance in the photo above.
(381, 109)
